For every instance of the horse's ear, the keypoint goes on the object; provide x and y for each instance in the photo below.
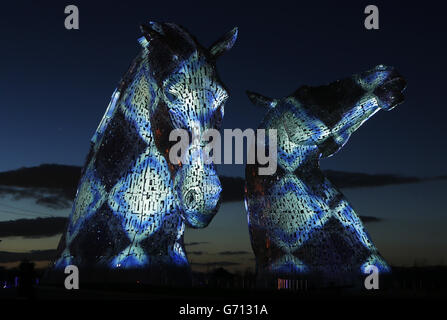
(152, 31)
(261, 100)
(224, 44)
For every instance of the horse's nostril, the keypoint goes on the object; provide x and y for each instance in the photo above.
(191, 197)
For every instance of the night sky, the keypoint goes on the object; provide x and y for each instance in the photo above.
(55, 83)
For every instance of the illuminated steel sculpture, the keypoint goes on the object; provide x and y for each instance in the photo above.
(300, 224)
(132, 204)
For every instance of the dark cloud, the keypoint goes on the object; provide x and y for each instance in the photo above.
(51, 185)
(47, 227)
(35, 255)
(49, 176)
(216, 264)
(233, 188)
(356, 180)
(55, 185)
(33, 228)
(50, 198)
(55, 202)
(231, 253)
(367, 219)
(20, 193)
(188, 244)
(197, 253)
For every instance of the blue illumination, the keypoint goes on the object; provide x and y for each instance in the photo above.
(301, 224)
(132, 205)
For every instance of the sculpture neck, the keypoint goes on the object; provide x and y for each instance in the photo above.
(294, 157)
(136, 97)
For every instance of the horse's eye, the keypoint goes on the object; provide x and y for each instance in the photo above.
(171, 97)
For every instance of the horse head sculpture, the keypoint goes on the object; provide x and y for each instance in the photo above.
(132, 203)
(300, 224)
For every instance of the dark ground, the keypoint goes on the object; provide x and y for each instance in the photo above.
(405, 283)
